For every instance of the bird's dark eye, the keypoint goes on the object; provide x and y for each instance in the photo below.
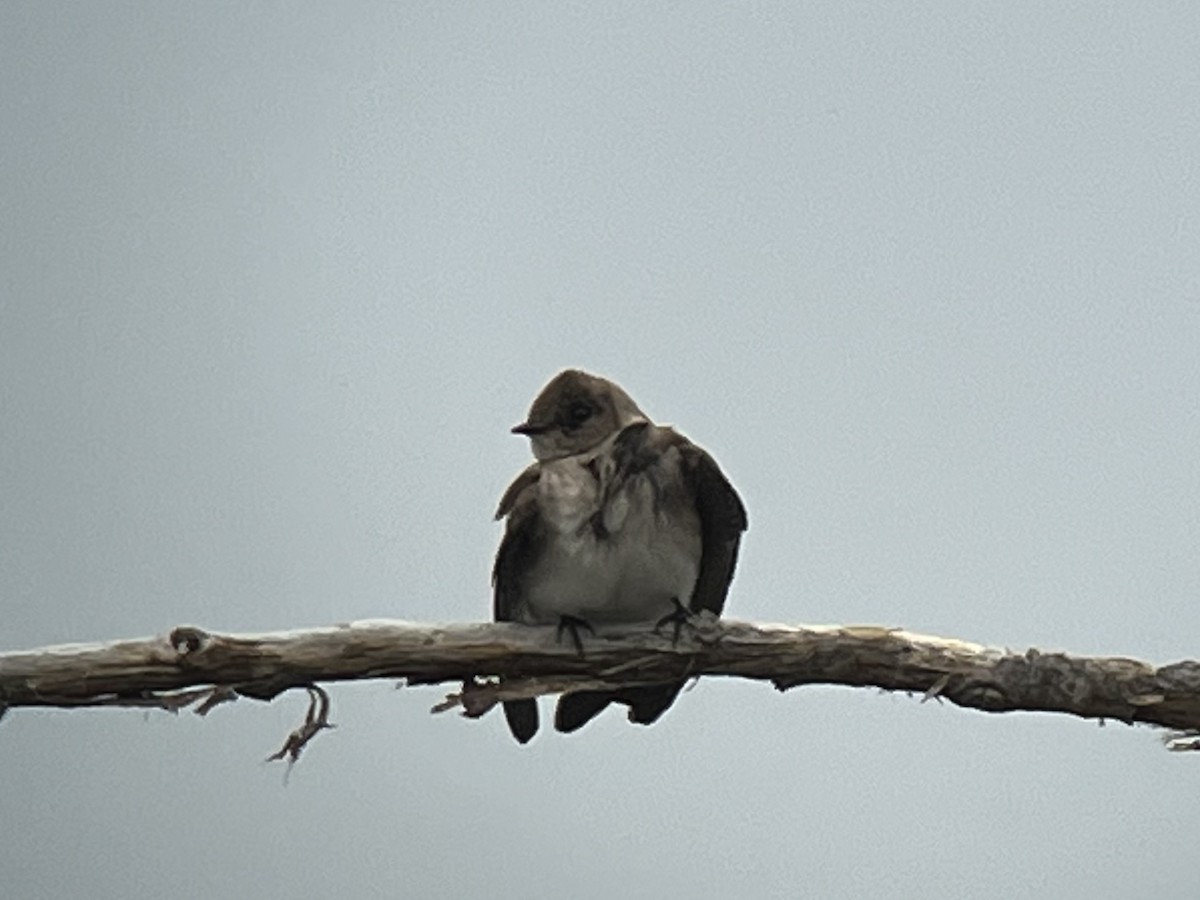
(578, 413)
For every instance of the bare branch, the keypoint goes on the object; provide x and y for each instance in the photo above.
(191, 664)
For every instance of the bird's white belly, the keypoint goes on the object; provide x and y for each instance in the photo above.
(627, 571)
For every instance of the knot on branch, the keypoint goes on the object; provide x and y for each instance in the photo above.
(188, 639)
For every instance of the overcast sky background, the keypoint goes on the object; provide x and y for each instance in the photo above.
(276, 280)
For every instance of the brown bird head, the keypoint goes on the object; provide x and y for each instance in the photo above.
(576, 412)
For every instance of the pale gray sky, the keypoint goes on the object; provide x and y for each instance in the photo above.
(275, 279)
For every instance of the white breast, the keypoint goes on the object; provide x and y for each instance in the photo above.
(568, 495)
(629, 569)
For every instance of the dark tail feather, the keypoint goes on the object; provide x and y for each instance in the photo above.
(577, 709)
(522, 716)
(648, 703)
(645, 704)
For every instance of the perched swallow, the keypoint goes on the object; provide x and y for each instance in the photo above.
(619, 521)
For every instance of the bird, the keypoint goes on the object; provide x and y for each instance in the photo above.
(618, 521)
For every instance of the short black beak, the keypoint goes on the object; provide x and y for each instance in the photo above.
(529, 429)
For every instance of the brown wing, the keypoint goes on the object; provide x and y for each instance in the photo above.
(513, 492)
(516, 554)
(515, 557)
(638, 449)
(722, 521)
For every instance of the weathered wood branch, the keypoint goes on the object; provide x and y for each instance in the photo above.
(191, 665)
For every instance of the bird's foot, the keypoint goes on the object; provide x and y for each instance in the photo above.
(573, 624)
(679, 617)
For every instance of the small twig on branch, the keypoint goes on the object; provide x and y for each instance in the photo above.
(315, 721)
(215, 698)
(191, 664)
(1179, 742)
